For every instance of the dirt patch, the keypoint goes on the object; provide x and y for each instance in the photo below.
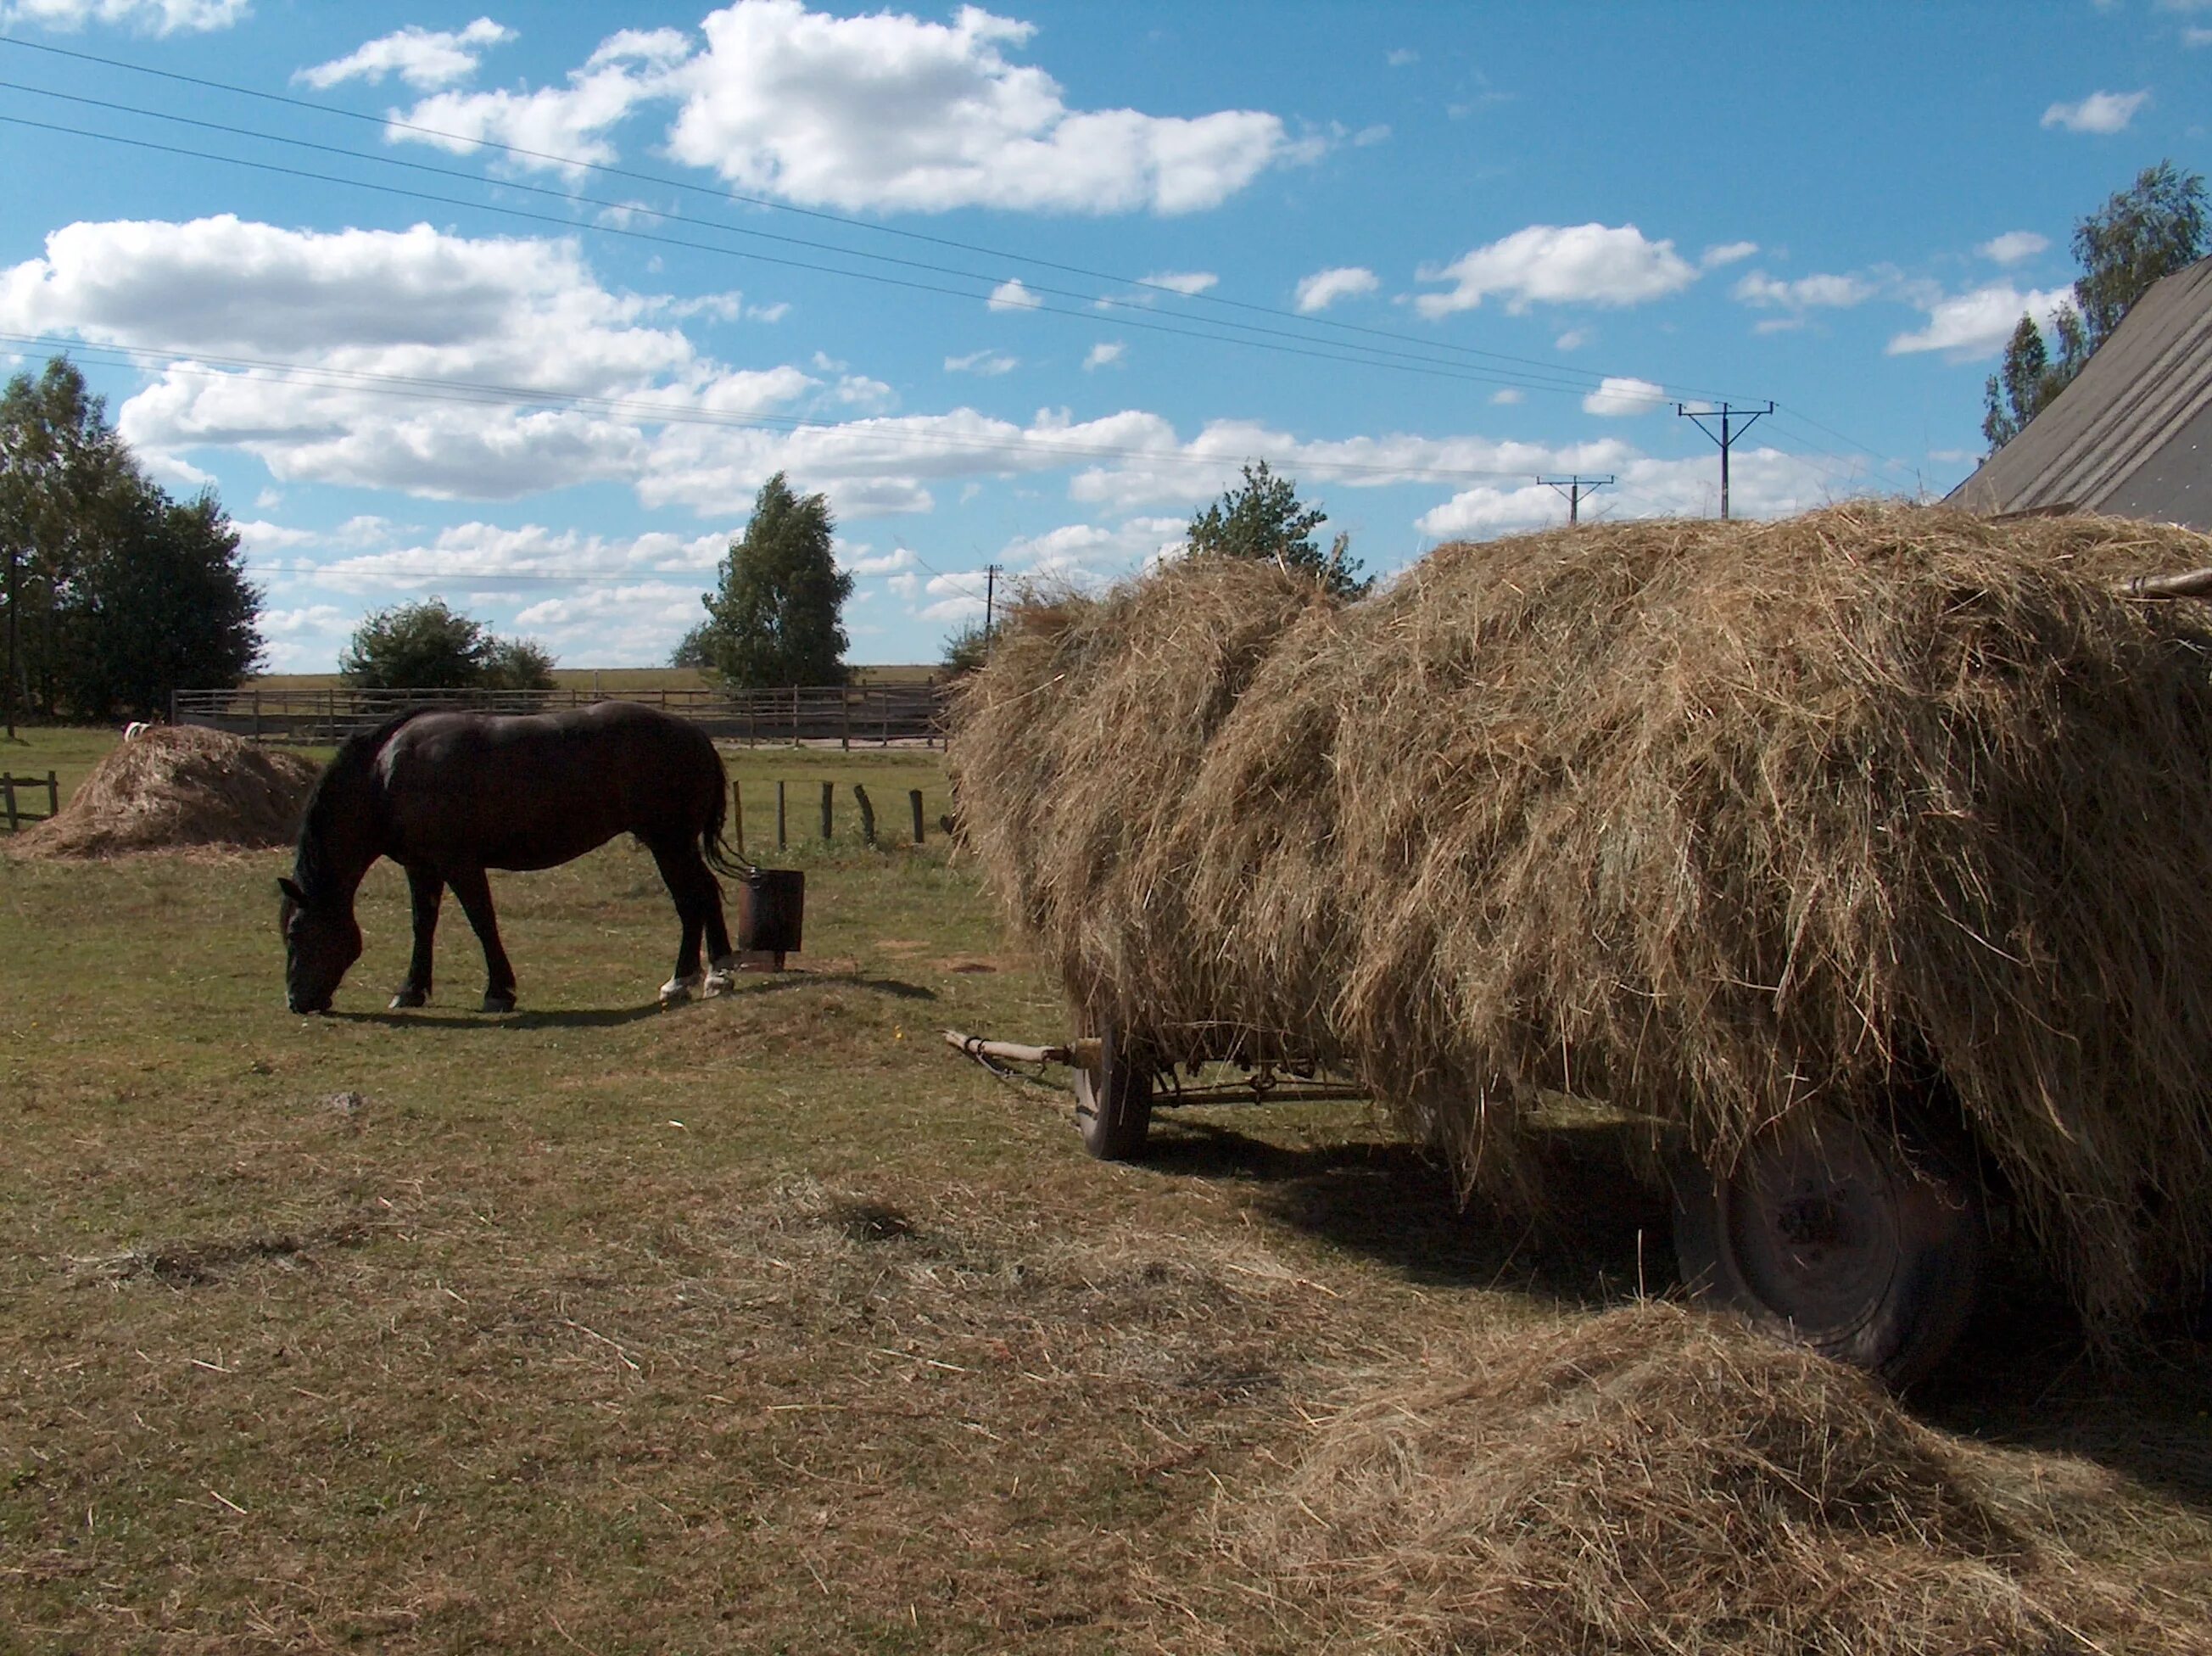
(175, 788)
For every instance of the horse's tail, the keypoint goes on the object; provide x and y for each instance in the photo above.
(720, 856)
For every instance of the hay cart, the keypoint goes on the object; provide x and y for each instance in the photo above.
(1867, 1246)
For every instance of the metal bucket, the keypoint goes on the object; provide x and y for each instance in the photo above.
(771, 912)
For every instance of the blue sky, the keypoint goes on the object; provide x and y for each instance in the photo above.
(1024, 286)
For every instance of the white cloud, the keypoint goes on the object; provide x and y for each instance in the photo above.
(989, 363)
(1324, 288)
(148, 17)
(417, 304)
(1011, 294)
(1572, 339)
(1367, 136)
(889, 562)
(2100, 111)
(1547, 264)
(1805, 293)
(1186, 282)
(424, 59)
(1618, 398)
(1762, 483)
(891, 110)
(2013, 246)
(562, 127)
(1400, 56)
(1967, 325)
(1506, 396)
(1728, 252)
(1104, 354)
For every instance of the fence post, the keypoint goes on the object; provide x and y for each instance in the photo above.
(794, 715)
(884, 717)
(8, 787)
(913, 799)
(782, 838)
(53, 796)
(845, 718)
(828, 828)
(738, 811)
(257, 716)
(867, 813)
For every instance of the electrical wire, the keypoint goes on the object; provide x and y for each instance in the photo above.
(735, 197)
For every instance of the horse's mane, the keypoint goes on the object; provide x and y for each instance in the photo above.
(334, 791)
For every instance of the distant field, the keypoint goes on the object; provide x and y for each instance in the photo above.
(616, 681)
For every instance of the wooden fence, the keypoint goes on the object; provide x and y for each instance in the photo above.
(877, 714)
(12, 787)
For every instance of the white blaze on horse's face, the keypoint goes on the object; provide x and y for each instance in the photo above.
(320, 944)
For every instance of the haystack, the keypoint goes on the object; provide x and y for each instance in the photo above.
(170, 787)
(1879, 808)
(1652, 1480)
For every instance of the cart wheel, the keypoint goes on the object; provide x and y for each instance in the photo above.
(1839, 1237)
(1114, 1101)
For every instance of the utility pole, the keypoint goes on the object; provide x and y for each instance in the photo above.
(1574, 489)
(1724, 413)
(990, 596)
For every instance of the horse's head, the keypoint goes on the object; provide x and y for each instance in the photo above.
(320, 941)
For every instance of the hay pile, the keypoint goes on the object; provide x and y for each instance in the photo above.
(1655, 1480)
(176, 787)
(1715, 821)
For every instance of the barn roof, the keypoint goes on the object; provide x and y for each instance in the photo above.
(2132, 435)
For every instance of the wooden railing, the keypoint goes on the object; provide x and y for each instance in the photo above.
(878, 713)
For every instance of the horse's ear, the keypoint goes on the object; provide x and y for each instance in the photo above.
(291, 892)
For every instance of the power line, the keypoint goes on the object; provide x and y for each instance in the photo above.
(735, 197)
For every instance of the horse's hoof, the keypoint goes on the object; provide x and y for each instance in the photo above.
(676, 990)
(716, 982)
(410, 997)
(496, 1002)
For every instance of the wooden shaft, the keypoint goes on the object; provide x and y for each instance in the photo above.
(913, 799)
(2197, 583)
(782, 833)
(867, 813)
(829, 793)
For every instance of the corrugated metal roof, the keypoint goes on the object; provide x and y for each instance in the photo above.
(2133, 434)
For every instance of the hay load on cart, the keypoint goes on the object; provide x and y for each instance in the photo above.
(1866, 857)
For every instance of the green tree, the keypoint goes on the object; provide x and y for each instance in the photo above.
(695, 649)
(429, 645)
(114, 593)
(1265, 520)
(774, 615)
(162, 603)
(966, 650)
(2141, 234)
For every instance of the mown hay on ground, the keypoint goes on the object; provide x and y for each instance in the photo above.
(170, 788)
(1652, 1480)
(1878, 806)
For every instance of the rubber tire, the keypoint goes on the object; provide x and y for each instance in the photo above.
(1114, 1101)
(1892, 1286)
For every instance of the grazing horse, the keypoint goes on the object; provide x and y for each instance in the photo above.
(448, 795)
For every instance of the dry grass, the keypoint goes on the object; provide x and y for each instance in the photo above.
(175, 788)
(767, 1324)
(1654, 1480)
(1878, 809)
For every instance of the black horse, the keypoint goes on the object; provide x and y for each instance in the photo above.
(448, 795)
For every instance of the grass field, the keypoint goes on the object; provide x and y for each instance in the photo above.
(766, 1323)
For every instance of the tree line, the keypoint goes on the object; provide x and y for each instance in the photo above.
(111, 594)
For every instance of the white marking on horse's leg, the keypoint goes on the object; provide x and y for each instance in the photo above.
(717, 981)
(676, 990)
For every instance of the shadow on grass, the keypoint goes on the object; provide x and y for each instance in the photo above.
(1596, 1233)
(613, 1017)
(2025, 1374)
